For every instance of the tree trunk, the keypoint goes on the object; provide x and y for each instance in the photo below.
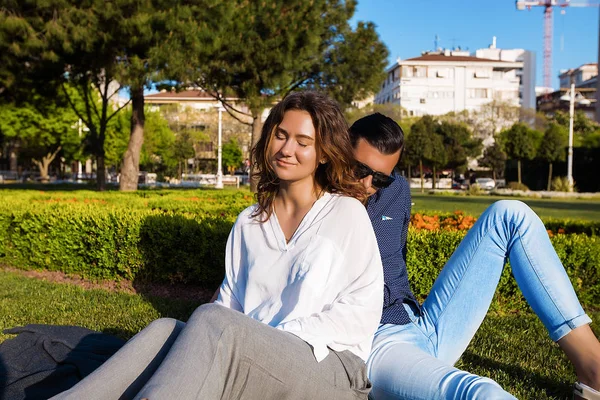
(100, 173)
(131, 160)
(433, 178)
(550, 177)
(257, 125)
(421, 175)
(519, 171)
(44, 164)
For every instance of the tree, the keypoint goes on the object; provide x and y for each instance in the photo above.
(459, 144)
(157, 151)
(43, 128)
(392, 111)
(183, 149)
(231, 155)
(586, 132)
(494, 158)
(81, 43)
(486, 121)
(418, 143)
(117, 137)
(437, 157)
(552, 148)
(159, 47)
(519, 143)
(279, 46)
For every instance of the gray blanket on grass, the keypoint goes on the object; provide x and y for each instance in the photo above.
(44, 360)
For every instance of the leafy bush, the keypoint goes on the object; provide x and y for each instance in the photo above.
(117, 244)
(561, 226)
(475, 190)
(561, 184)
(180, 236)
(517, 186)
(428, 252)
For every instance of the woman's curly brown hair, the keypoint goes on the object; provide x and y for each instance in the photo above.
(332, 144)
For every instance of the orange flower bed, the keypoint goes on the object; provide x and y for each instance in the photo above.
(456, 222)
(560, 231)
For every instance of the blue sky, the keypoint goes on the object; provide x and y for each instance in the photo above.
(408, 27)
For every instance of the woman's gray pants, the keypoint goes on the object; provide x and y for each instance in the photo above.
(221, 354)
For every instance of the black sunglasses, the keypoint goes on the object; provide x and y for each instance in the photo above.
(380, 180)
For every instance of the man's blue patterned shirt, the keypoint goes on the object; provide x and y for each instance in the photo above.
(389, 210)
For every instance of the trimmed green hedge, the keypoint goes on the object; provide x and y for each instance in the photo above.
(117, 244)
(178, 237)
(428, 252)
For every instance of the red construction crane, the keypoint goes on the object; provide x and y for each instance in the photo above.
(548, 4)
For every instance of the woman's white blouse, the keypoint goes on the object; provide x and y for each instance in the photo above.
(324, 286)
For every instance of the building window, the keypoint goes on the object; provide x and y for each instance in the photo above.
(478, 93)
(417, 72)
(198, 127)
(422, 101)
(205, 146)
(442, 94)
(482, 73)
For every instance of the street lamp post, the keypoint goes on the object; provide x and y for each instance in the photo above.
(219, 184)
(572, 98)
(570, 151)
(79, 167)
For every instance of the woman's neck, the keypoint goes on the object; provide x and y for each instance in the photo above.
(297, 196)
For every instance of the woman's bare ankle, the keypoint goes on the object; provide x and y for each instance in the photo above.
(583, 350)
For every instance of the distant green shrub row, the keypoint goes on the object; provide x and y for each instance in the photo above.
(174, 247)
(199, 202)
(590, 228)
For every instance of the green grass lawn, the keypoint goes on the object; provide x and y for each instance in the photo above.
(475, 205)
(512, 349)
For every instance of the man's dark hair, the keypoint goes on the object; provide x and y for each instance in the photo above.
(379, 131)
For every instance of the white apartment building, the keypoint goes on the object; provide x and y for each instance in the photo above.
(440, 82)
(580, 75)
(526, 74)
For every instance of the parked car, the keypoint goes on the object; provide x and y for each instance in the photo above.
(485, 183)
(461, 184)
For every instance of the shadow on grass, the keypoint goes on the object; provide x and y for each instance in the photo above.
(535, 380)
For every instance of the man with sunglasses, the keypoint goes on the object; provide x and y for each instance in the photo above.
(377, 141)
(415, 347)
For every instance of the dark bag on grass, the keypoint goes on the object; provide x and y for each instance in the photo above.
(44, 360)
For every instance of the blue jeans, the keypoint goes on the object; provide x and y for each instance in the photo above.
(415, 361)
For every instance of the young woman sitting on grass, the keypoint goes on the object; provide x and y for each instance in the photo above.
(302, 294)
